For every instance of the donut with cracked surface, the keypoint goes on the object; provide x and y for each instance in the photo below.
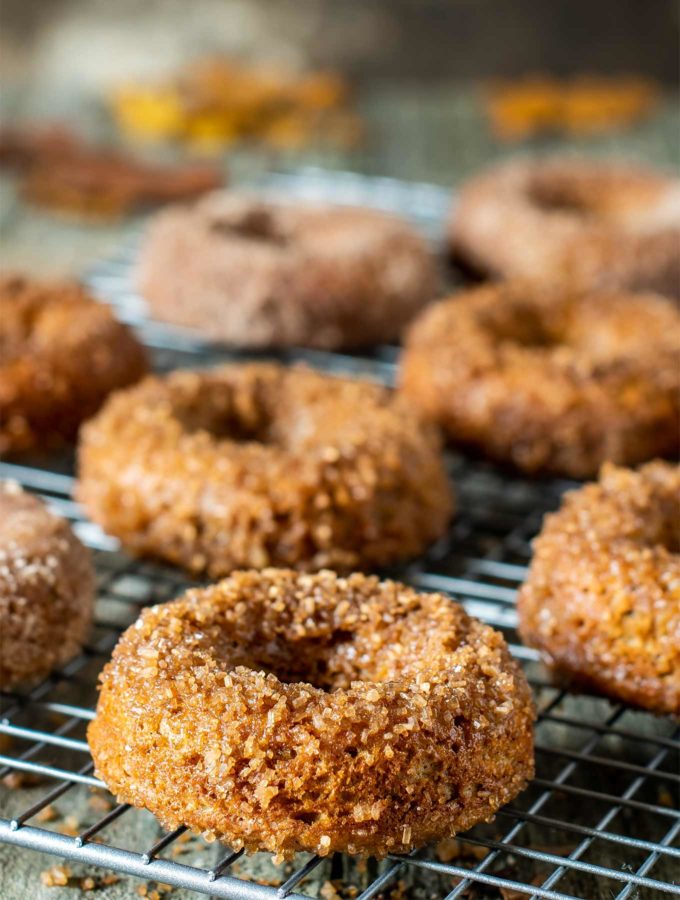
(46, 589)
(549, 380)
(257, 273)
(592, 224)
(61, 354)
(602, 598)
(285, 712)
(254, 465)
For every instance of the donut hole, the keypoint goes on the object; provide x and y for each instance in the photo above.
(256, 224)
(525, 328)
(552, 195)
(226, 413)
(327, 664)
(310, 644)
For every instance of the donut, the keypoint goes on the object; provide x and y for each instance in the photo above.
(549, 380)
(286, 712)
(602, 598)
(46, 589)
(591, 224)
(254, 273)
(61, 353)
(245, 466)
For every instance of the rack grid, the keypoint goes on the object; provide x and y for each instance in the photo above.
(600, 819)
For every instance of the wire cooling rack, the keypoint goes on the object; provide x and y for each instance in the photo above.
(600, 819)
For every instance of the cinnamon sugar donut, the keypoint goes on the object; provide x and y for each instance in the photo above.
(593, 224)
(46, 589)
(261, 274)
(602, 599)
(61, 353)
(256, 465)
(285, 712)
(550, 380)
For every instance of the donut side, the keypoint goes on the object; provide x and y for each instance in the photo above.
(602, 599)
(46, 589)
(63, 353)
(288, 712)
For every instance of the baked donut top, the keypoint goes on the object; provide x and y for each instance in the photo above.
(582, 334)
(264, 412)
(582, 193)
(267, 226)
(45, 318)
(640, 507)
(317, 633)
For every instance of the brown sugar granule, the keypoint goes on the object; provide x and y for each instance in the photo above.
(550, 380)
(261, 711)
(56, 876)
(258, 273)
(602, 598)
(46, 590)
(257, 465)
(70, 827)
(47, 814)
(97, 802)
(61, 353)
(584, 223)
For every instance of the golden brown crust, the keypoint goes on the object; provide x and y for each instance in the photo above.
(550, 380)
(256, 465)
(587, 223)
(61, 353)
(602, 600)
(46, 589)
(261, 274)
(284, 712)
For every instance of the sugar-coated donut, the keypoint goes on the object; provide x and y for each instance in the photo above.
(281, 711)
(254, 273)
(46, 589)
(593, 224)
(254, 465)
(61, 354)
(602, 599)
(549, 379)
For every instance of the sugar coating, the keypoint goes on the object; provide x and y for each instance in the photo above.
(602, 600)
(261, 274)
(46, 589)
(257, 465)
(61, 353)
(592, 224)
(550, 379)
(283, 711)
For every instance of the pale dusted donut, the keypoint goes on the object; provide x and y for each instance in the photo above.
(61, 354)
(285, 712)
(592, 224)
(256, 465)
(602, 599)
(254, 273)
(46, 589)
(549, 380)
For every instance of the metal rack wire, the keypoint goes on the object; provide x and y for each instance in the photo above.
(599, 820)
